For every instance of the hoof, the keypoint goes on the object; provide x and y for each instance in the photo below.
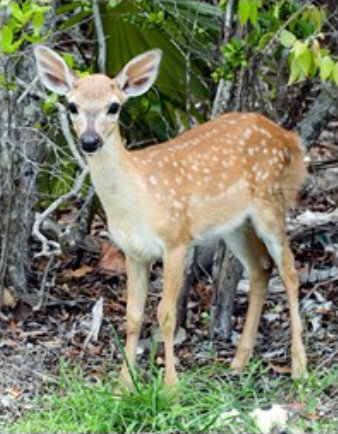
(298, 371)
(237, 366)
(298, 368)
(125, 381)
(171, 380)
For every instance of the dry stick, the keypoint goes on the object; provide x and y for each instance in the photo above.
(97, 317)
(224, 88)
(28, 89)
(101, 58)
(41, 294)
(37, 373)
(328, 359)
(188, 80)
(68, 136)
(40, 217)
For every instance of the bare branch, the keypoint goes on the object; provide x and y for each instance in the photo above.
(27, 90)
(224, 87)
(68, 135)
(101, 58)
(50, 247)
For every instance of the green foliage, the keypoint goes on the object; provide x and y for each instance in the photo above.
(298, 30)
(287, 38)
(24, 23)
(199, 404)
(234, 58)
(248, 11)
(177, 27)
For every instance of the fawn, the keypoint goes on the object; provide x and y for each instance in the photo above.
(234, 177)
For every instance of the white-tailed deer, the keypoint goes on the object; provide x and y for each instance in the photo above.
(233, 177)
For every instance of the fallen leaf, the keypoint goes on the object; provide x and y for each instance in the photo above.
(295, 406)
(10, 343)
(322, 311)
(311, 416)
(8, 300)
(97, 317)
(280, 369)
(79, 272)
(68, 216)
(112, 261)
(15, 392)
(21, 312)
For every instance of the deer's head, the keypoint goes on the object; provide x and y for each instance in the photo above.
(95, 101)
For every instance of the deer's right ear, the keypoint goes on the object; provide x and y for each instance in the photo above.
(53, 70)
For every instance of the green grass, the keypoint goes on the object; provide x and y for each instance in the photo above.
(80, 405)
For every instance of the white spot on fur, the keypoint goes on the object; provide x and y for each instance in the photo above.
(247, 133)
(177, 204)
(153, 180)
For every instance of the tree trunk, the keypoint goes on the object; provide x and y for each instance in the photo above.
(323, 108)
(20, 147)
(227, 272)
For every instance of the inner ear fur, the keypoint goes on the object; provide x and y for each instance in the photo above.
(53, 70)
(139, 74)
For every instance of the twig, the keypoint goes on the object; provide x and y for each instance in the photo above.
(37, 373)
(41, 294)
(224, 88)
(101, 58)
(50, 247)
(188, 82)
(328, 359)
(97, 318)
(27, 86)
(68, 136)
(27, 90)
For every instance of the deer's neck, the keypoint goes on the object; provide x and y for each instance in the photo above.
(109, 167)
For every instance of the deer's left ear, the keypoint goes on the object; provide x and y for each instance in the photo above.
(139, 73)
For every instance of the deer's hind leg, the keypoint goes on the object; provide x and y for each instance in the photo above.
(270, 224)
(251, 251)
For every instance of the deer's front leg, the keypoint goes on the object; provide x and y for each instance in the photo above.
(137, 286)
(173, 268)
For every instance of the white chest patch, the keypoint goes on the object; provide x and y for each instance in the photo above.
(126, 222)
(136, 239)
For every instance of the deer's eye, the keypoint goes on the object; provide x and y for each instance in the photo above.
(113, 108)
(72, 108)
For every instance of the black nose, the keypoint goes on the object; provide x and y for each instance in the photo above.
(90, 142)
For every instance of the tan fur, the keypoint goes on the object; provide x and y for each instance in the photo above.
(234, 177)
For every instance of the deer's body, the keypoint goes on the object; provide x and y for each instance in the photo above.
(158, 196)
(233, 177)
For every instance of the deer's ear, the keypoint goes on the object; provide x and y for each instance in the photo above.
(140, 73)
(53, 70)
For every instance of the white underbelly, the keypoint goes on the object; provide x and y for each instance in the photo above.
(206, 236)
